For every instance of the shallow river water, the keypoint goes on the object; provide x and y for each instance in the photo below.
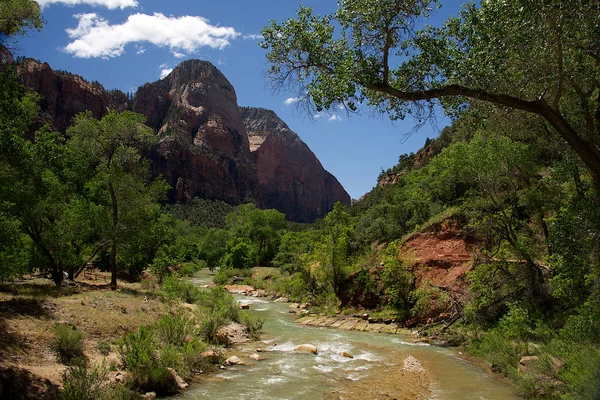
(284, 374)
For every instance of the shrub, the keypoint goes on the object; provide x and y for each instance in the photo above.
(141, 358)
(226, 275)
(175, 290)
(68, 343)
(103, 347)
(174, 329)
(216, 308)
(252, 322)
(81, 382)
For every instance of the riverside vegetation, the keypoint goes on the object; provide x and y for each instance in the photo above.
(516, 176)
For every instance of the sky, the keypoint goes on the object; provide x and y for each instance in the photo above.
(125, 43)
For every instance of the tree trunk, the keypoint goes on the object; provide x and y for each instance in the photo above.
(113, 266)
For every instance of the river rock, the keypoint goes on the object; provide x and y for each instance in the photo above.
(347, 355)
(365, 317)
(281, 300)
(149, 396)
(212, 356)
(306, 348)
(239, 289)
(233, 333)
(245, 306)
(234, 360)
(411, 364)
(304, 306)
(180, 383)
(256, 357)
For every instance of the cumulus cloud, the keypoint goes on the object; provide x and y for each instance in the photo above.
(178, 55)
(165, 71)
(330, 117)
(110, 4)
(96, 37)
(252, 36)
(291, 100)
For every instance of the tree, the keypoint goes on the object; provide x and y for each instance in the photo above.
(262, 227)
(121, 182)
(338, 232)
(537, 57)
(17, 16)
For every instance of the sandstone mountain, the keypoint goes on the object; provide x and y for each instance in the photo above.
(207, 146)
(288, 171)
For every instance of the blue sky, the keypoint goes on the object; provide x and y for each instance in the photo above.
(125, 43)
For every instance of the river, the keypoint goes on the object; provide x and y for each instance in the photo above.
(284, 374)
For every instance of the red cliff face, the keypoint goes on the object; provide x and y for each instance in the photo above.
(63, 95)
(204, 149)
(290, 175)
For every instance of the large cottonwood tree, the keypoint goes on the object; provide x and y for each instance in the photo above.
(538, 57)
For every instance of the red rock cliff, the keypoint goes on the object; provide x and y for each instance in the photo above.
(204, 148)
(291, 177)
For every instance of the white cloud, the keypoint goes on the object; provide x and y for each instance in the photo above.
(291, 100)
(110, 4)
(330, 117)
(96, 37)
(165, 70)
(140, 50)
(178, 55)
(252, 36)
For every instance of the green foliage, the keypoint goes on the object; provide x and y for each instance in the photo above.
(175, 329)
(140, 355)
(18, 16)
(83, 382)
(216, 309)
(259, 230)
(239, 254)
(68, 343)
(337, 235)
(225, 276)
(398, 282)
(212, 246)
(174, 289)
(253, 322)
(121, 181)
(103, 347)
(201, 212)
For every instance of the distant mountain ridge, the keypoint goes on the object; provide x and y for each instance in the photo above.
(208, 146)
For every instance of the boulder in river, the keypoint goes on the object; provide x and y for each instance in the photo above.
(234, 360)
(233, 333)
(281, 300)
(239, 289)
(245, 306)
(256, 357)
(179, 383)
(411, 364)
(306, 348)
(346, 354)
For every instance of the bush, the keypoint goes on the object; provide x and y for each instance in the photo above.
(252, 322)
(140, 355)
(190, 268)
(103, 347)
(175, 290)
(68, 343)
(81, 382)
(174, 329)
(226, 275)
(216, 308)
